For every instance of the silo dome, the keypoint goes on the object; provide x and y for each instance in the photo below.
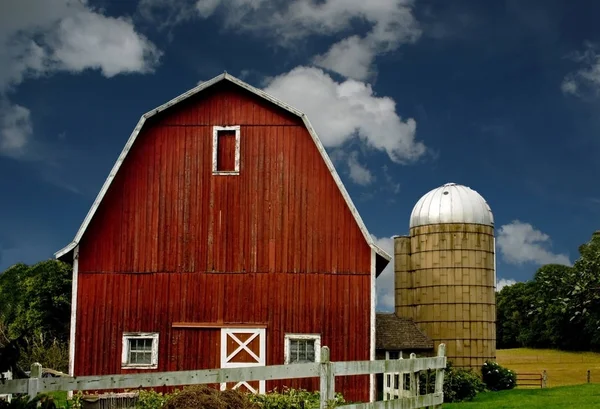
(451, 203)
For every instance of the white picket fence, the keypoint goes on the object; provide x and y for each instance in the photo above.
(395, 398)
(6, 376)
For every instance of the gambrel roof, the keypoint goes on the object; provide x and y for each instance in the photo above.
(383, 257)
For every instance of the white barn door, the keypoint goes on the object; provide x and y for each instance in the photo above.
(243, 347)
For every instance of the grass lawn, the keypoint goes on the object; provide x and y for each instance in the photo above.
(563, 368)
(580, 397)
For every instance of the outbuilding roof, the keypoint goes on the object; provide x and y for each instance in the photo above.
(395, 333)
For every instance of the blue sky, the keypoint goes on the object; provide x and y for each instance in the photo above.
(406, 96)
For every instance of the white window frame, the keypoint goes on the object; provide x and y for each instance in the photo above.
(127, 336)
(216, 130)
(290, 337)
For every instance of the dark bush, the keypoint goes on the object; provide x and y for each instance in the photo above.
(205, 397)
(461, 384)
(498, 378)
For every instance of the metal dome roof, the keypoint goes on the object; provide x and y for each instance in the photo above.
(451, 203)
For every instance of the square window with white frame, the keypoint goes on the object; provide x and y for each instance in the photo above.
(140, 350)
(302, 348)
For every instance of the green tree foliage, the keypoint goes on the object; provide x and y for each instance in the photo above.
(35, 304)
(36, 299)
(559, 308)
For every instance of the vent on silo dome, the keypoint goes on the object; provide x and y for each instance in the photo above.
(451, 203)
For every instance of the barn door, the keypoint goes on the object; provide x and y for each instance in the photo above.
(243, 347)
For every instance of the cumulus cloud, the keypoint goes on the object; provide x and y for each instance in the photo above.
(358, 173)
(584, 82)
(521, 243)
(504, 282)
(351, 57)
(390, 23)
(340, 111)
(41, 38)
(15, 128)
(38, 38)
(385, 281)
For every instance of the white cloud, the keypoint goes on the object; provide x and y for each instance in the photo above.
(39, 38)
(390, 23)
(358, 173)
(520, 243)
(586, 80)
(15, 129)
(504, 282)
(385, 281)
(111, 45)
(352, 57)
(344, 110)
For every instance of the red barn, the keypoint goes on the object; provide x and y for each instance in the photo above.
(222, 237)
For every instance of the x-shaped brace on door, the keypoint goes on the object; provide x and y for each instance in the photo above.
(243, 345)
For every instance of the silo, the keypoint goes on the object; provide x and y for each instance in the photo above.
(451, 273)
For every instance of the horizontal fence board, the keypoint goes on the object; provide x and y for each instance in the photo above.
(143, 380)
(432, 399)
(391, 366)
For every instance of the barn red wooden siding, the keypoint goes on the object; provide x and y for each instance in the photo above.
(172, 242)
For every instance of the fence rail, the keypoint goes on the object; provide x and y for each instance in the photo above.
(325, 370)
(532, 379)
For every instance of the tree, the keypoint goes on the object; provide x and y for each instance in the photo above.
(514, 304)
(582, 300)
(35, 311)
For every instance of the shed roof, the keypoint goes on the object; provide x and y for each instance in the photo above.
(383, 257)
(395, 333)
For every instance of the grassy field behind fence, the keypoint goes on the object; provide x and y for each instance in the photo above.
(563, 368)
(564, 397)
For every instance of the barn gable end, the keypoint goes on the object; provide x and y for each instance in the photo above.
(382, 257)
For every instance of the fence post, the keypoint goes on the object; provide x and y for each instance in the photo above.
(439, 374)
(327, 381)
(589, 376)
(544, 379)
(414, 387)
(33, 385)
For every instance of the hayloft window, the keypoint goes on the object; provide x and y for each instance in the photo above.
(226, 150)
(302, 348)
(140, 350)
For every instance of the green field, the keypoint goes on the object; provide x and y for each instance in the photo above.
(563, 368)
(563, 397)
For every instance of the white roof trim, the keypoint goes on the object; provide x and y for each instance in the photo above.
(194, 91)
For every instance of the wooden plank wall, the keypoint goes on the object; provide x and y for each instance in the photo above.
(287, 303)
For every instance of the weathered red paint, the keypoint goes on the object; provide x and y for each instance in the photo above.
(274, 245)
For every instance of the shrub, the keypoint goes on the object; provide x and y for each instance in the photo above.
(461, 384)
(150, 399)
(497, 378)
(292, 399)
(205, 397)
(50, 353)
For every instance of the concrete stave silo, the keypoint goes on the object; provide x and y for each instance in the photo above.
(445, 273)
